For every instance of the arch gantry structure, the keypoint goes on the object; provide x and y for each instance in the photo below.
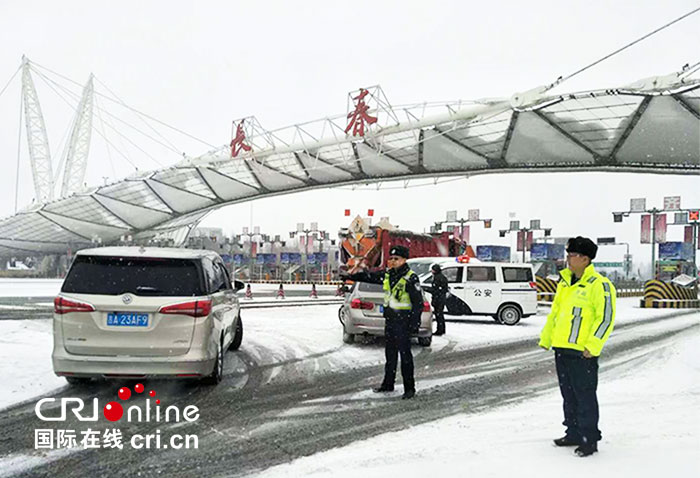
(651, 127)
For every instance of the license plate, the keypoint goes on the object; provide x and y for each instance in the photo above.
(127, 319)
(381, 309)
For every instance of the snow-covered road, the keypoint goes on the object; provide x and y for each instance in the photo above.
(295, 384)
(650, 418)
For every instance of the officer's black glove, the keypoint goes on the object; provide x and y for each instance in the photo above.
(415, 326)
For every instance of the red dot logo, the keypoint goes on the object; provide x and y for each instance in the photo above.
(113, 411)
(152, 393)
(124, 393)
(139, 388)
(157, 402)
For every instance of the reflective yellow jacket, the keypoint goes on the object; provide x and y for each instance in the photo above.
(582, 314)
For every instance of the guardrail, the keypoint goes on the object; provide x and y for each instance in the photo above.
(288, 303)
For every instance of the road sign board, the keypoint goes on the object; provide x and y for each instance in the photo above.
(606, 240)
(680, 218)
(473, 214)
(672, 203)
(607, 264)
(638, 204)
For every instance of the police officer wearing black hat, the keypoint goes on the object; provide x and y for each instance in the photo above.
(438, 292)
(581, 320)
(403, 305)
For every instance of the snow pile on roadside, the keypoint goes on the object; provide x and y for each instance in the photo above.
(30, 287)
(649, 419)
(25, 358)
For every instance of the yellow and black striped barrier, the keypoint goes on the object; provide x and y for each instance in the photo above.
(630, 292)
(546, 289)
(662, 295)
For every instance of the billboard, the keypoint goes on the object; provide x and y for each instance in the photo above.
(268, 259)
(547, 252)
(675, 251)
(294, 258)
(493, 253)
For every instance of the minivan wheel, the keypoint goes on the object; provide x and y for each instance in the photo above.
(509, 314)
(78, 380)
(238, 336)
(218, 372)
(348, 338)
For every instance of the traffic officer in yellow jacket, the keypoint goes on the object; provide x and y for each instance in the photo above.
(581, 320)
(403, 306)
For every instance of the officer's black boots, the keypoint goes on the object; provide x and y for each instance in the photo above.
(439, 331)
(408, 394)
(382, 389)
(586, 450)
(566, 441)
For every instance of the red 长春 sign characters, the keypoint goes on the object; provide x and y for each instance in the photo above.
(359, 117)
(237, 143)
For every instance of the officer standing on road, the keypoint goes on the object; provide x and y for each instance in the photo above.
(439, 296)
(403, 305)
(581, 320)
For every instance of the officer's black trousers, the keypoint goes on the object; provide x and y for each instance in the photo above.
(398, 342)
(438, 307)
(578, 382)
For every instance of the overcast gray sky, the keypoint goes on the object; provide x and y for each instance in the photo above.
(199, 65)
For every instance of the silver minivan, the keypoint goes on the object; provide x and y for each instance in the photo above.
(136, 312)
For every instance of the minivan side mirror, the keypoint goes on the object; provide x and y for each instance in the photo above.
(238, 285)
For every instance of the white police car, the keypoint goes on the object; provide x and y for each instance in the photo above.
(505, 291)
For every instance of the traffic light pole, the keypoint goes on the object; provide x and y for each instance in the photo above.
(696, 230)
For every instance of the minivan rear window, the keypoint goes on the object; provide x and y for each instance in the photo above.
(517, 274)
(137, 275)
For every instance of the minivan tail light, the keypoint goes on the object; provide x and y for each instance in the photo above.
(426, 306)
(359, 304)
(64, 306)
(195, 308)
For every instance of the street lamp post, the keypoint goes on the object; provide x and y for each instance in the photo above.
(638, 206)
(313, 231)
(524, 231)
(452, 218)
